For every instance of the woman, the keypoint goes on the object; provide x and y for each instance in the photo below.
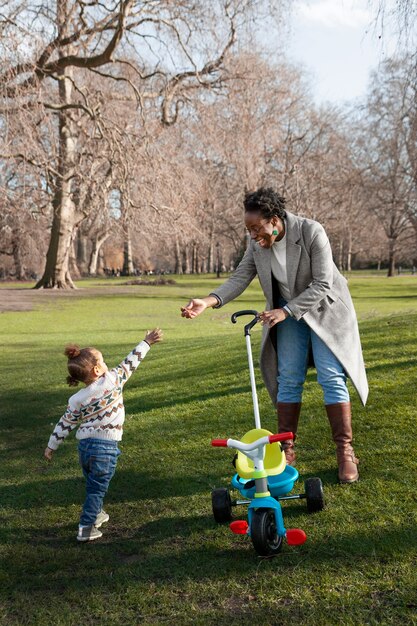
(308, 305)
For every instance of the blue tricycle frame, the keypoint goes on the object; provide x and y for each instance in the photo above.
(278, 486)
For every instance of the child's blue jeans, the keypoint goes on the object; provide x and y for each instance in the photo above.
(98, 459)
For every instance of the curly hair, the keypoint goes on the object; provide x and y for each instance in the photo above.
(80, 363)
(265, 201)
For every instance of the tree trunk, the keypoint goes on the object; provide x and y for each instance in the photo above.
(178, 259)
(203, 265)
(195, 262)
(73, 267)
(218, 260)
(349, 253)
(193, 259)
(101, 264)
(82, 252)
(95, 253)
(391, 256)
(340, 255)
(17, 255)
(186, 260)
(128, 269)
(56, 273)
(210, 261)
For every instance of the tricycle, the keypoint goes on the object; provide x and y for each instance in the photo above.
(263, 479)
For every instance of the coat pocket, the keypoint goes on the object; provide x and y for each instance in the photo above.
(326, 302)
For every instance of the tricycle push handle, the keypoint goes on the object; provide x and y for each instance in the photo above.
(246, 312)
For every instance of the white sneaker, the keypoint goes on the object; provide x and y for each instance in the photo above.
(88, 533)
(101, 518)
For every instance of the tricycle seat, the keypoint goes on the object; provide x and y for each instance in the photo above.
(274, 460)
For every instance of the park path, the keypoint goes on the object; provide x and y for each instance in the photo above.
(19, 299)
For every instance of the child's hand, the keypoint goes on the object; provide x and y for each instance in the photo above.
(153, 336)
(48, 454)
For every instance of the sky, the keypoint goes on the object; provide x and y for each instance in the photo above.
(338, 45)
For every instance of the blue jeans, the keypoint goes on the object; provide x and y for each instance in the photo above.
(98, 460)
(293, 343)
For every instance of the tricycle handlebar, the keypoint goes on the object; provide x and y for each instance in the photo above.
(239, 445)
(281, 437)
(219, 443)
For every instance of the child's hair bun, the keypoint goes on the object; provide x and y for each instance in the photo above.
(72, 351)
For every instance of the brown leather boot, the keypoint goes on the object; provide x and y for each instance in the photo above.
(288, 414)
(340, 418)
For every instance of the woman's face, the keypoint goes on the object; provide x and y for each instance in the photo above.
(260, 229)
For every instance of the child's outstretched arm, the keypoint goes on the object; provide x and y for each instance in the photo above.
(126, 368)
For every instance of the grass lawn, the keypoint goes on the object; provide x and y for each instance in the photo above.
(162, 558)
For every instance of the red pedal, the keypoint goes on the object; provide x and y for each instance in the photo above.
(239, 527)
(296, 537)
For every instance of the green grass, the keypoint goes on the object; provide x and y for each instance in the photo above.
(162, 558)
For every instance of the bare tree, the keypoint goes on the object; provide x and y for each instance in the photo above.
(69, 40)
(22, 219)
(401, 13)
(383, 146)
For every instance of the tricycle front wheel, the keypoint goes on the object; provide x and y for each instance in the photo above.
(264, 535)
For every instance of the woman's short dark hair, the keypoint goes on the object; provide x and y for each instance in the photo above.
(266, 201)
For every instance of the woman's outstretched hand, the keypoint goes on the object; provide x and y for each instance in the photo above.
(193, 308)
(270, 318)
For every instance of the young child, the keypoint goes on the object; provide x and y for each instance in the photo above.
(99, 413)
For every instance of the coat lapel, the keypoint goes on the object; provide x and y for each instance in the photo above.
(293, 250)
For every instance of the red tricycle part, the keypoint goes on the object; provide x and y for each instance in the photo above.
(239, 527)
(296, 536)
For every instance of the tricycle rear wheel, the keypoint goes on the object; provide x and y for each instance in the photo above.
(263, 530)
(221, 503)
(314, 494)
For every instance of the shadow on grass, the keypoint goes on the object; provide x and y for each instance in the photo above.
(181, 549)
(126, 486)
(342, 544)
(146, 402)
(181, 380)
(328, 477)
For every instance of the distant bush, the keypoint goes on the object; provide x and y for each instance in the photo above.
(150, 281)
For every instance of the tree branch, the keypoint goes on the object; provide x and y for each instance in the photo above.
(41, 69)
(209, 68)
(26, 159)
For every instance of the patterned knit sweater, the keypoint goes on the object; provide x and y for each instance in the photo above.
(98, 409)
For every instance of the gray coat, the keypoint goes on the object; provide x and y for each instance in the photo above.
(319, 295)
